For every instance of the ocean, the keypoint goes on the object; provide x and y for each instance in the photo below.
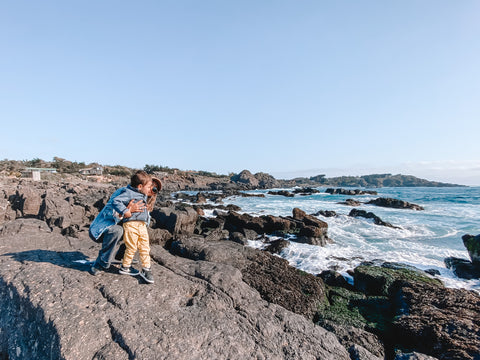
(424, 240)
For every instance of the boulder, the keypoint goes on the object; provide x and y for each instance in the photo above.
(341, 191)
(61, 212)
(176, 221)
(394, 203)
(310, 229)
(306, 191)
(266, 181)
(350, 202)
(27, 201)
(282, 193)
(472, 243)
(247, 178)
(325, 213)
(370, 215)
(159, 236)
(463, 268)
(235, 222)
(276, 246)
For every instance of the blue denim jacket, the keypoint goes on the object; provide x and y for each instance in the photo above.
(116, 208)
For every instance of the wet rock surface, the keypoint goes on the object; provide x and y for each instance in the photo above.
(394, 203)
(370, 215)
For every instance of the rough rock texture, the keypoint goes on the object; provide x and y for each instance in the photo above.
(176, 221)
(472, 243)
(350, 202)
(326, 213)
(440, 322)
(245, 177)
(341, 191)
(308, 228)
(426, 316)
(275, 280)
(463, 268)
(395, 203)
(282, 193)
(51, 307)
(370, 215)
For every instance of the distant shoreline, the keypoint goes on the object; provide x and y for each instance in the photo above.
(177, 179)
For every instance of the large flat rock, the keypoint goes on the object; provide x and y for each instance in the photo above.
(51, 307)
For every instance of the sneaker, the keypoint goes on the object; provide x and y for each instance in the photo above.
(128, 271)
(146, 274)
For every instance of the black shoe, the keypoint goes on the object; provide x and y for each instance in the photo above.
(128, 271)
(95, 270)
(146, 274)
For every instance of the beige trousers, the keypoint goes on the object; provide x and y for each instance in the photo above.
(135, 235)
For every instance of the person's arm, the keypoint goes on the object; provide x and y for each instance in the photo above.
(133, 207)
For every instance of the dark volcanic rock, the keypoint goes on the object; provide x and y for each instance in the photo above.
(351, 202)
(472, 243)
(308, 228)
(341, 191)
(282, 193)
(312, 230)
(326, 213)
(245, 177)
(440, 322)
(52, 308)
(378, 280)
(176, 221)
(276, 246)
(395, 203)
(276, 281)
(370, 215)
(463, 268)
(306, 191)
(333, 278)
(350, 336)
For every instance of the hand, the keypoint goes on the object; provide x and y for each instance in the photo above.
(138, 206)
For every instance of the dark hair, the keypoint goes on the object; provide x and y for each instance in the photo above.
(140, 178)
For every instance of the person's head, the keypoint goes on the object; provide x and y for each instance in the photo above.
(142, 181)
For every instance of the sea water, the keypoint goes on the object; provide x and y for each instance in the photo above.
(424, 240)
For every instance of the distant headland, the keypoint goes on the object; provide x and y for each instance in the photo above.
(176, 179)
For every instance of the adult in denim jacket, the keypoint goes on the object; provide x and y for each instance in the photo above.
(106, 227)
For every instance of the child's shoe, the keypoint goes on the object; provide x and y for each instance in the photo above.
(128, 271)
(146, 274)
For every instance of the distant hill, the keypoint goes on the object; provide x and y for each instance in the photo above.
(374, 180)
(201, 180)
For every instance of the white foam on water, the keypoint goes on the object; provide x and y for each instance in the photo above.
(424, 240)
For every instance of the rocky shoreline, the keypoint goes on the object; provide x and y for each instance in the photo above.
(214, 297)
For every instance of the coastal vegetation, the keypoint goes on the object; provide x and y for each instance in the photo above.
(245, 177)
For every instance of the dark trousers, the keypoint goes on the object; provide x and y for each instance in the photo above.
(111, 239)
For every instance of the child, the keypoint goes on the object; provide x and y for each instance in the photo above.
(135, 232)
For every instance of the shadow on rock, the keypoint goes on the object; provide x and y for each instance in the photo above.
(68, 259)
(22, 327)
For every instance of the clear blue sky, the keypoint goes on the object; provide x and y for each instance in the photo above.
(285, 87)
